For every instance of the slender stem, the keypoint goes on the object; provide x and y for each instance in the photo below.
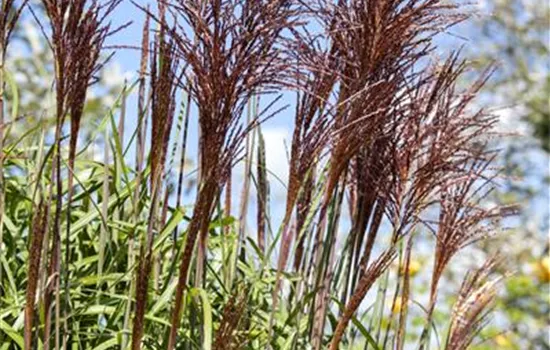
(35, 255)
(397, 291)
(179, 191)
(2, 124)
(245, 191)
(140, 156)
(145, 261)
(326, 270)
(104, 213)
(56, 265)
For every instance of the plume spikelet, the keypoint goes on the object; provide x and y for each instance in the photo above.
(463, 220)
(376, 44)
(312, 126)
(78, 30)
(78, 34)
(311, 135)
(10, 10)
(39, 227)
(469, 314)
(142, 110)
(231, 55)
(164, 82)
(228, 336)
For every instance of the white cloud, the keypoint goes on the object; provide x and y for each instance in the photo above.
(113, 76)
(277, 141)
(510, 120)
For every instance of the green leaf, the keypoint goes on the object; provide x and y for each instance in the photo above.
(95, 214)
(15, 94)
(164, 299)
(207, 316)
(99, 310)
(175, 219)
(107, 344)
(94, 279)
(11, 333)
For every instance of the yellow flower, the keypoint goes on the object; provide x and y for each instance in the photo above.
(397, 306)
(502, 341)
(414, 267)
(542, 269)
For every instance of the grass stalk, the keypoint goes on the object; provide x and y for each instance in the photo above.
(104, 212)
(179, 191)
(376, 269)
(35, 254)
(140, 155)
(405, 296)
(2, 136)
(144, 270)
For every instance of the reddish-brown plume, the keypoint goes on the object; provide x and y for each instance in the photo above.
(375, 45)
(78, 31)
(39, 228)
(10, 10)
(78, 34)
(164, 82)
(230, 335)
(312, 127)
(232, 52)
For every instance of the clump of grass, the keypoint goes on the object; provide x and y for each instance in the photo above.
(387, 153)
(164, 82)
(10, 10)
(77, 35)
(232, 55)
